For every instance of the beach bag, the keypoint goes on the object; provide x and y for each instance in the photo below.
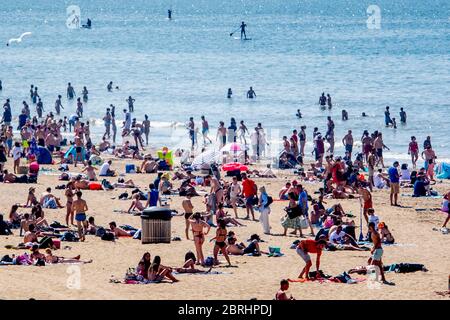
(209, 261)
(100, 232)
(108, 236)
(40, 262)
(293, 212)
(269, 201)
(45, 243)
(303, 222)
(69, 237)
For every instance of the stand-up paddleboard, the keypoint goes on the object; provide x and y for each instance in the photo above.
(238, 38)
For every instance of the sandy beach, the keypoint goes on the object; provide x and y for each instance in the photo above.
(253, 277)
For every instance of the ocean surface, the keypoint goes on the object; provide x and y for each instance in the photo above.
(183, 67)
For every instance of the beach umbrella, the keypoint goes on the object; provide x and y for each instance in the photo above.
(234, 147)
(208, 157)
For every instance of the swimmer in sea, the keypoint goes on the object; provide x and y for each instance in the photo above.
(330, 105)
(130, 101)
(323, 100)
(363, 114)
(251, 93)
(402, 116)
(110, 86)
(229, 93)
(298, 114)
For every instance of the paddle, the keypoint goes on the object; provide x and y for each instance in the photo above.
(361, 237)
(231, 34)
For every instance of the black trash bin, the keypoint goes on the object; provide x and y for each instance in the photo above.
(156, 225)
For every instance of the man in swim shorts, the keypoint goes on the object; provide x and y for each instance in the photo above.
(79, 207)
(377, 251)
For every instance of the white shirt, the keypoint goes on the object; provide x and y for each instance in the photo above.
(337, 237)
(377, 181)
(104, 169)
(374, 219)
(16, 152)
(405, 175)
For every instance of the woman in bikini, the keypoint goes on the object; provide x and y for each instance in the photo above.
(144, 265)
(158, 272)
(198, 226)
(69, 193)
(31, 200)
(220, 244)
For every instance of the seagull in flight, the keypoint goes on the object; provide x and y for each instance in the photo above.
(19, 39)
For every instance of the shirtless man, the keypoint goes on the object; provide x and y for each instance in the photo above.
(347, 141)
(235, 192)
(377, 252)
(366, 198)
(58, 105)
(222, 133)
(379, 146)
(30, 235)
(118, 231)
(366, 141)
(104, 145)
(79, 207)
(188, 210)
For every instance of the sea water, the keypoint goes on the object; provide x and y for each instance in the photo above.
(183, 67)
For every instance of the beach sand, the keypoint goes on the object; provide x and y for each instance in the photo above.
(254, 277)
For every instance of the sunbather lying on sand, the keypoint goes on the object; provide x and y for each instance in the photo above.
(50, 258)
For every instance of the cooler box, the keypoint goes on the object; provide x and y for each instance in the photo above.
(156, 225)
(130, 168)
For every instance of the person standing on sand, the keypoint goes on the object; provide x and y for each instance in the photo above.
(69, 193)
(365, 201)
(107, 122)
(188, 211)
(366, 141)
(377, 252)
(198, 226)
(222, 133)
(302, 140)
(304, 248)
(347, 141)
(394, 179)
(249, 190)
(79, 207)
(146, 125)
(413, 150)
